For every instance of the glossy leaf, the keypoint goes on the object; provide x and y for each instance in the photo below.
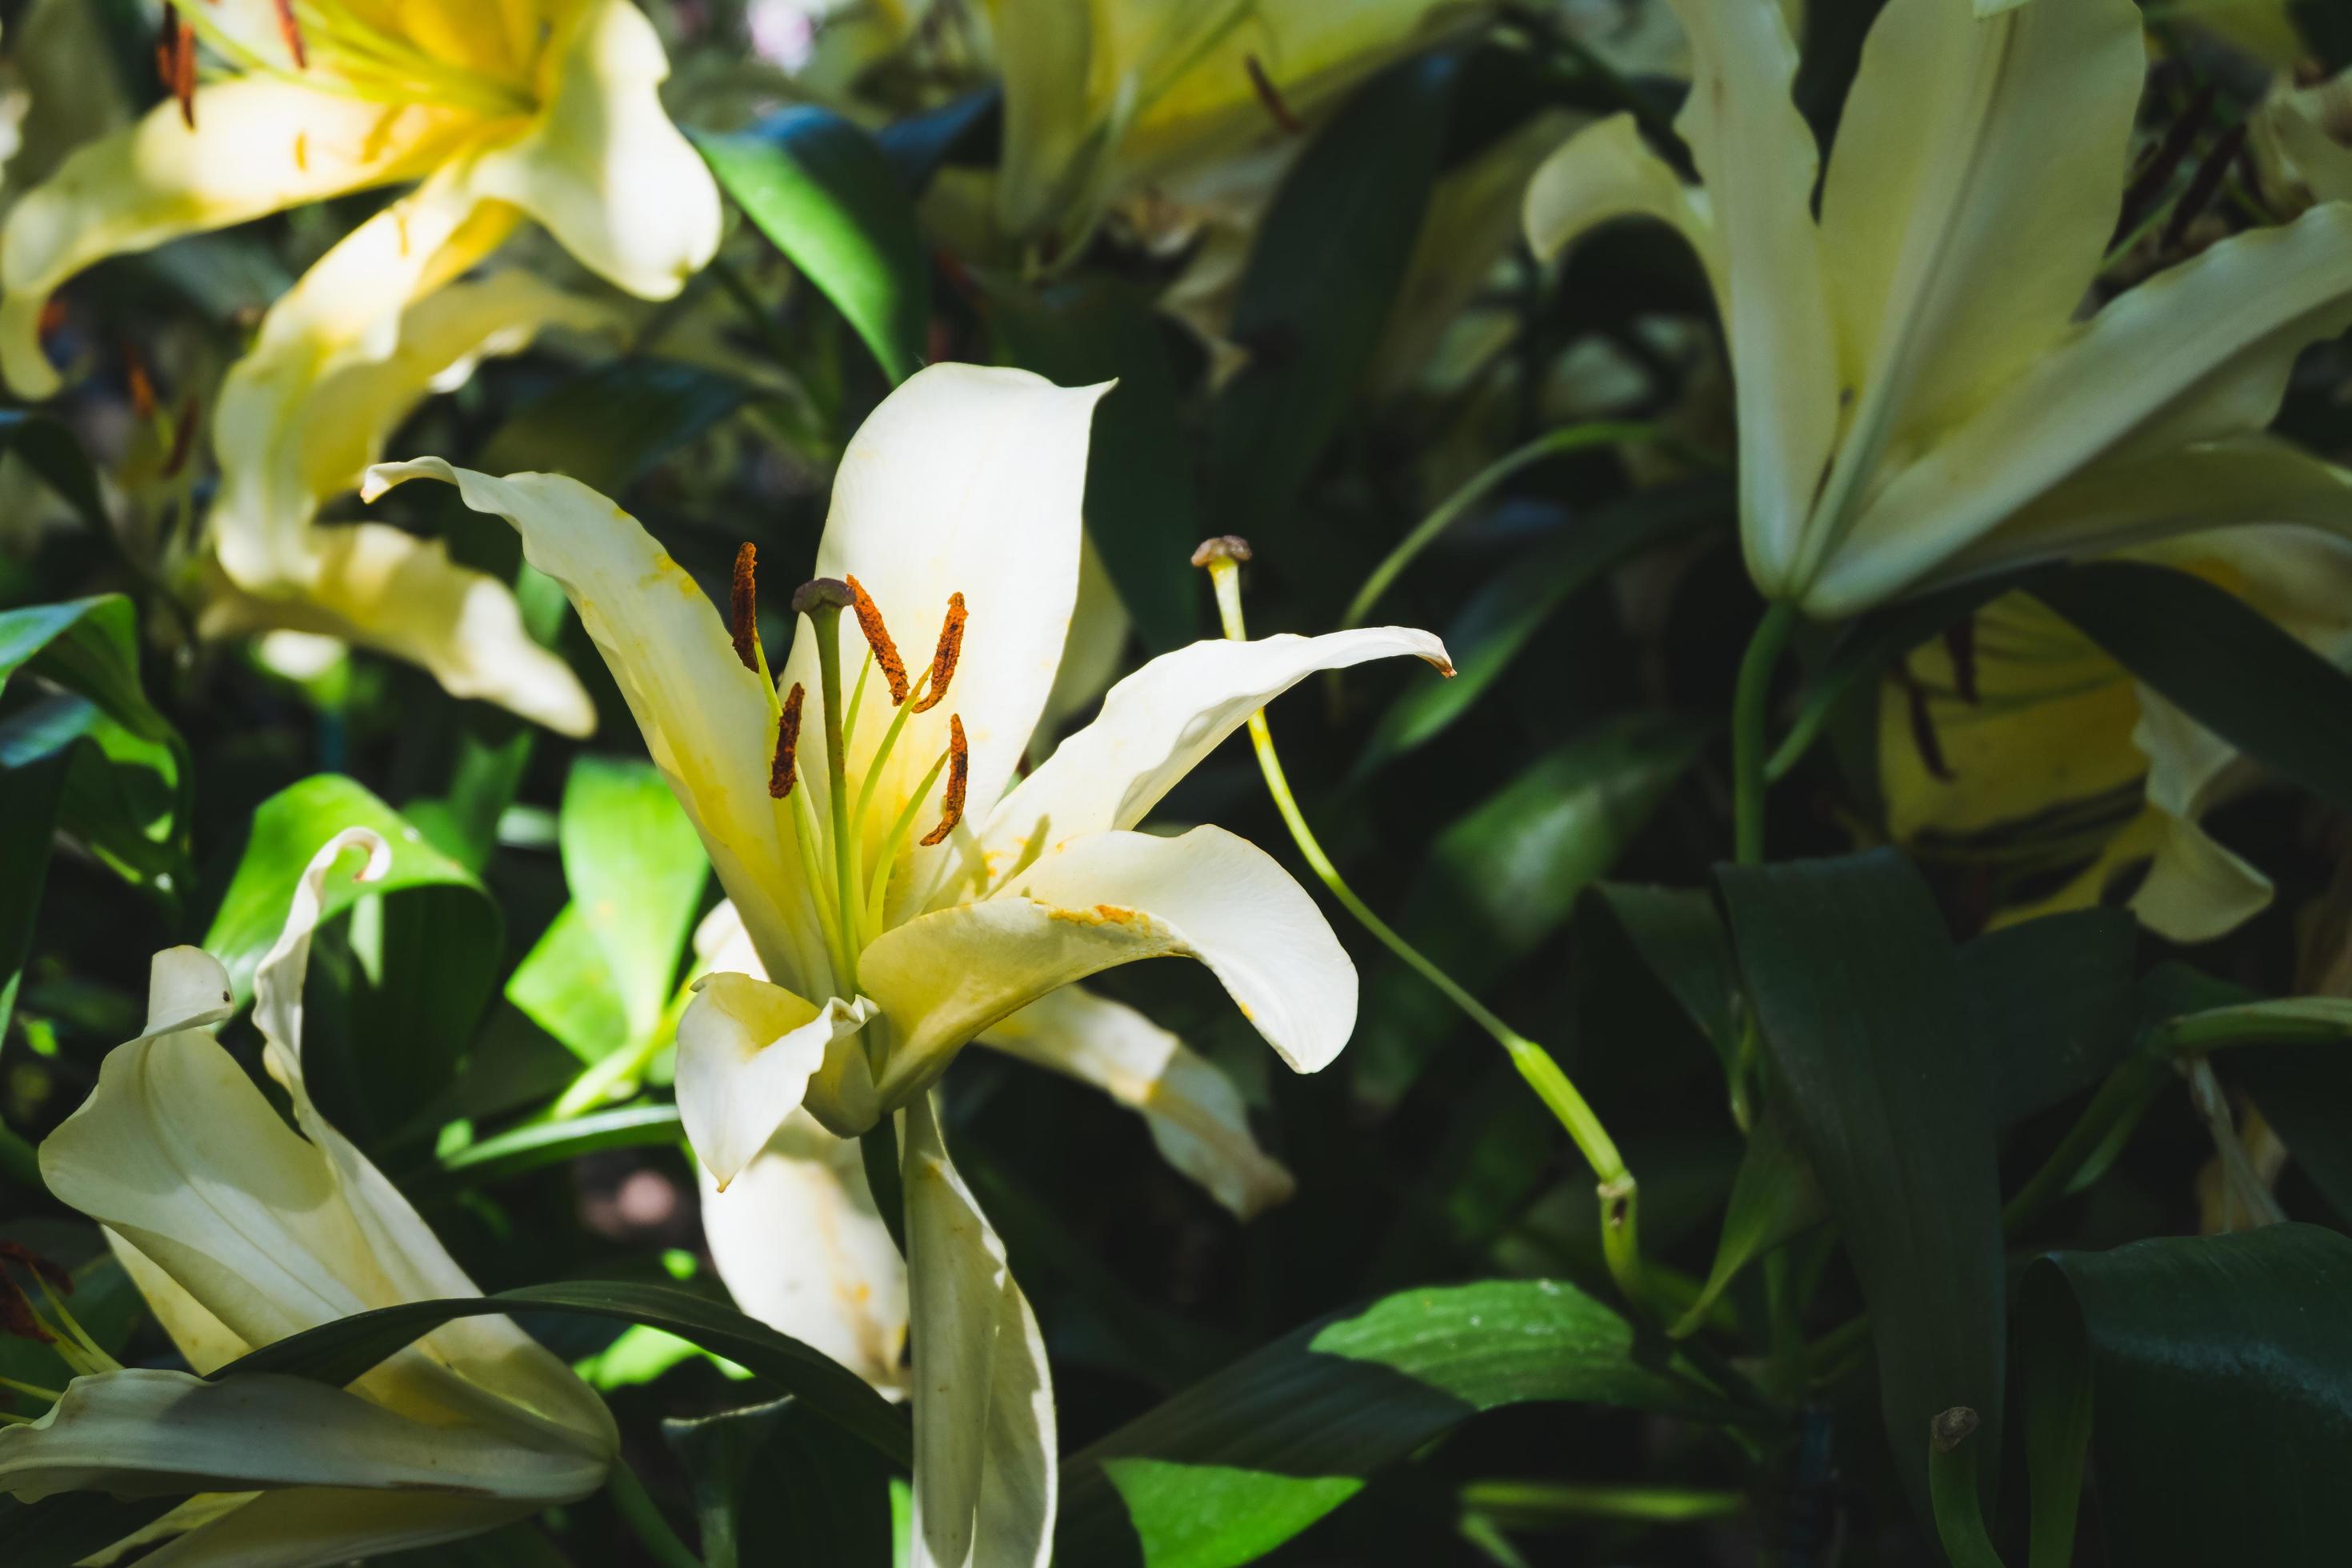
(538, 1144)
(1774, 1199)
(1248, 1457)
(2219, 1373)
(636, 872)
(2052, 1004)
(827, 197)
(1865, 1021)
(612, 426)
(2222, 662)
(87, 645)
(772, 1483)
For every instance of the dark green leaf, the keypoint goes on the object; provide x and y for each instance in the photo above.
(1244, 1460)
(2305, 1094)
(60, 1531)
(30, 798)
(1774, 1198)
(543, 1143)
(2222, 662)
(1143, 503)
(1329, 258)
(774, 1484)
(50, 450)
(339, 1352)
(2053, 1005)
(962, 129)
(1866, 1024)
(2220, 1392)
(87, 646)
(1495, 628)
(827, 197)
(609, 428)
(1679, 941)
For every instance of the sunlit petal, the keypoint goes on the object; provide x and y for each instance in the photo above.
(746, 1050)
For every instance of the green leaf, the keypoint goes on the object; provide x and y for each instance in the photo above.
(88, 646)
(611, 427)
(1865, 1021)
(430, 946)
(2305, 1094)
(60, 1531)
(2222, 662)
(1502, 617)
(1503, 876)
(30, 798)
(565, 985)
(1143, 502)
(1248, 1457)
(773, 1484)
(827, 197)
(1330, 255)
(339, 1352)
(539, 1144)
(1774, 1199)
(636, 870)
(52, 451)
(1676, 940)
(2219, 1374)
(2054, 1006)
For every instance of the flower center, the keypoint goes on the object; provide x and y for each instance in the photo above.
(850, 848)
(328, 47)
(57, 1328)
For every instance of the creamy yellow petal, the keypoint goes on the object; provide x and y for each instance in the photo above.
(1196, 1115)
(1605, 172)
(206, 1342)
(985, 1481)
(603, 167)
(1108, 898)
(802, 1248)
(1757, 158)
(147, 1433)
(746, 1050)
(2199, 353)
(259, 146)
(379, 587)
(1968, 202)
(1155, 727)
(2296, 136)
(964, 480)
(704, 716)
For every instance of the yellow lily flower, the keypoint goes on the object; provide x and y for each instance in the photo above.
(540, 108)
(1104, 96)
(240, 1232)
(886, 954)
(2029, 755)
(1918, 402)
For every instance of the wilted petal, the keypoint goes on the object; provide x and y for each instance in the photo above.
(802, 1248)
(704, 716)
(984, 1441)
(1106, 900)
(1157, 725)
(604, 168)
(1196, 1115)
(378, 586)
(746, 1050)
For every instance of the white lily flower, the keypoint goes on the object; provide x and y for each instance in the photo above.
(239, 1233)
(546, 110)
(886, 953)
(1918, 402)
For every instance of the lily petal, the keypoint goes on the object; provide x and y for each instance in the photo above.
(746, 1050)
(985, 1485)
(143, 1431)
(1758, 160)
(2199, 353)
(1605, 172)
(262, 144)
(603, 168)
(1105, 899)
(1968, 150)
(1196, 1115)
(704, 716)
(802, 1248)
(378, 586)
(186, 989)
(1157, 725)
(965, 480)
(303, 1526)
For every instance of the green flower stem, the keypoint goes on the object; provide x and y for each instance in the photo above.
(615, 1075)
(637, 1509)
(825, 619)
(1534, 1504)
(1747, 725)
(1619, 1193)
(1551, 443)
(2296, 1021)
(877, 1149)
(1952, 1490)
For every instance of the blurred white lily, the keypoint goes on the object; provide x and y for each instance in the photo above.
(240, 1232)
(1918, 402)
(545, 109)
(887, 952)
(1104, 96)
(2031, 758)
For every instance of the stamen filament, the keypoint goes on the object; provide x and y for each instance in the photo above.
(880, 885)
(100, 1361)
(880, 761)
(806, 838)
(857, 701)
(822, 602)
(31, 1390)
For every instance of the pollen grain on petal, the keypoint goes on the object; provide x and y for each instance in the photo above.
(944, 660)
(878, 638)
(743, 607)
(959, 775)
(788, 740)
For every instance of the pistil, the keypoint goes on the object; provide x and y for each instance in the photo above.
(821, 601)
